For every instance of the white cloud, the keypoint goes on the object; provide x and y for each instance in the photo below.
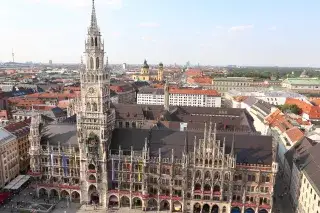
(149, 24)
(273, 28)
(240, 28)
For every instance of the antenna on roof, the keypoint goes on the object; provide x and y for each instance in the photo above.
(12, 56)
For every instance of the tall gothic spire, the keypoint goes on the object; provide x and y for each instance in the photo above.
(94, 23)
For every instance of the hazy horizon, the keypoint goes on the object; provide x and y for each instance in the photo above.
(245, 33)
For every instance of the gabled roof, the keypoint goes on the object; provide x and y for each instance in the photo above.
(19, 129)
(294, 134)
(298, 150)
(6, 135)
(265, 107)
(248, 148)
(309, 163)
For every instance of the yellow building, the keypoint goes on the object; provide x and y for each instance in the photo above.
(21, 131)
(9, 157)
(145, 74)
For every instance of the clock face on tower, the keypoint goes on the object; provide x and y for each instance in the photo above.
(91, 91)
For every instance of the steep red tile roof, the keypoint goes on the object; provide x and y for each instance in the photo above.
(72, 88)
(157, 85)
(315, 101)
(240, 98)
(193, 72)
(295, 134)
(279, 120)
(307, 108)
(43, 107)
(53, 95)
(190, 91)
(25, 102)
(63, 104)
(19, 128)
(200, 80)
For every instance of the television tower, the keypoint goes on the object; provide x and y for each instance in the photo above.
(12, 56)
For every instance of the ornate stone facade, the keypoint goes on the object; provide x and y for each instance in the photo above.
(95, 122)
(206, 178)
(160, 168)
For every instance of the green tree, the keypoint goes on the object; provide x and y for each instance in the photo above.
(290, 108)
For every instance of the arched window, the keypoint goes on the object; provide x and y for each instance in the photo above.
(267, 179)
(96, 41)
(224, 209)
(207, 175)
(88, 107)
(226, 176)
(216, 188)
(97, 63)
(91, 63)
(94, 107)
(206, 162)
(198, 174)
(92, 41)
(216, 176)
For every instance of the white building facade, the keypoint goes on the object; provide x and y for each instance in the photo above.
(180, 97)
(271, 97)
(309, 199)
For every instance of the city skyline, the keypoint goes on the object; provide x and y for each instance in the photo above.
(262, 34)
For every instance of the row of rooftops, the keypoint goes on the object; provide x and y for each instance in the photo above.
(283, 124)
(19, 129)
(302, 81)
(175, 90)
(309, 108)
(268, 93)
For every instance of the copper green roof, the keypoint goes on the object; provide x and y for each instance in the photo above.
(302, 81)
(145, 64)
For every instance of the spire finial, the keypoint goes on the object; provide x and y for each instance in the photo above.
(93, 16)
(232, 145)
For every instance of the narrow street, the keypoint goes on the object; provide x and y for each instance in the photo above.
(281, 205)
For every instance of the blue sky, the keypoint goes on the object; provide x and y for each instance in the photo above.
(242, 32)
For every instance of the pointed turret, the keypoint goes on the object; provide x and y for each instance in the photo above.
(186, 145)
(232, 145)
(94, 23)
